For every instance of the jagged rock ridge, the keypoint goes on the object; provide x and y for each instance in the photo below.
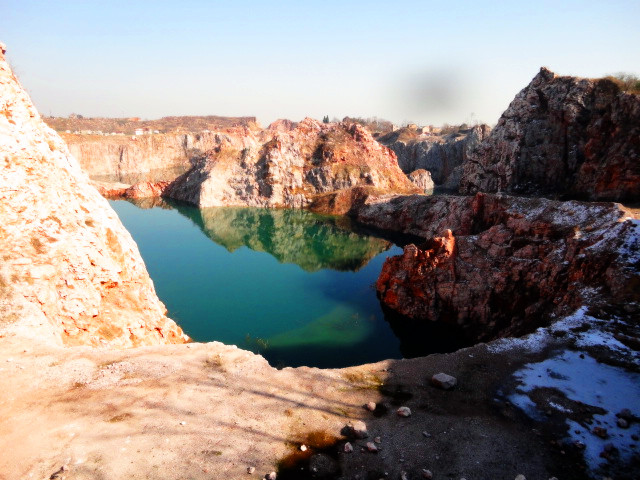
(567, 136)
(66, 256)
(290, 167)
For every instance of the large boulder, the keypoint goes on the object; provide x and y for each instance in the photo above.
(422, 179)
(562, 136)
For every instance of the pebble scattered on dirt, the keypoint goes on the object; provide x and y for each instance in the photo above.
(357, 429)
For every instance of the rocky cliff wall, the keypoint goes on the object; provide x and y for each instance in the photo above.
(65, 254)
(289, 168)
(120, 156)
(498, 265)
(438, 154)
(565, 136)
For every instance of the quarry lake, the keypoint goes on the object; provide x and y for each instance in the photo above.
(296, 287)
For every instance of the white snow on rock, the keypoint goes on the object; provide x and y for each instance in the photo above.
(536, 341)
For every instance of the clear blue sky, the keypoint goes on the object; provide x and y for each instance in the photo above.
(422, 61)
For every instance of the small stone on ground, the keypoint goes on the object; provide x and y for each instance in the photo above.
(404, 412)
(444, 381)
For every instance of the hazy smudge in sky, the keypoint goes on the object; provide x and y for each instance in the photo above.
(441, 92)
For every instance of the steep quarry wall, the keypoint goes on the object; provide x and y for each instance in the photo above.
(440, 155)
(125, 156)
(65, 254)
(290, 167)
(566, 136)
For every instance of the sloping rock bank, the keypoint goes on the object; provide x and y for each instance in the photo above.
(66, 258)
(499, 265)
(567, 136)
(290, 168)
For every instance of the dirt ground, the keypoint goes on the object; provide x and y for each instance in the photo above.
(203, 411)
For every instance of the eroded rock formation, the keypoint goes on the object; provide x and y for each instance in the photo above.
(567, 136)
(65, 255)
(439, 154)
(290, 167)
(500, 265)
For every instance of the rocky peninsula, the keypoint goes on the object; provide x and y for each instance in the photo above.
(74, 292)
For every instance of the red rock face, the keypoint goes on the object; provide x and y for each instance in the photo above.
(562, 136)
(510, 265)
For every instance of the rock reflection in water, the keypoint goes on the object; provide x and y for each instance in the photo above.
(313, 242)
(301, 293)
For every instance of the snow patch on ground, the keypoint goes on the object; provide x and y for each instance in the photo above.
(583, 379)
(599, 338)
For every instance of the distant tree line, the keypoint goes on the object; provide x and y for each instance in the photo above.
(627, 82)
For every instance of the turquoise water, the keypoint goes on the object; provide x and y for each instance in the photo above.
(291, 285)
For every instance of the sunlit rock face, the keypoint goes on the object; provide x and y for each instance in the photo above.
(289, 167)
(498, 265)
(64, 252)
(562, 136)
(310, 241)
(148, 157)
